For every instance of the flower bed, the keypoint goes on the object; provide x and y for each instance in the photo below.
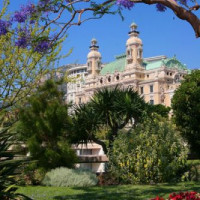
(181, 196)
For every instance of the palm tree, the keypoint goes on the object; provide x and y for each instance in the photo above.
(86, 122)
(110, 107)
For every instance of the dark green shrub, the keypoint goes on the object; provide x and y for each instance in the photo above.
(30, 174)
(193, 172)
(64, 177)
(45, 127)
(186, 112)
(9, 163)
(152, 152)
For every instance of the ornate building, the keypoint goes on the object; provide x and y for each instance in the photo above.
(155, 78)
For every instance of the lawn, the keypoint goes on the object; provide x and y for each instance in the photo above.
(121, 192)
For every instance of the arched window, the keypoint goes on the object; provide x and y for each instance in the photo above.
(139, 53)
(117, 77)
(177, 78)
(129, 53)
(99, 65)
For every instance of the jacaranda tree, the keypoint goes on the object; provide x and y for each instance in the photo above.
(66, 13)
(22, 66)
(21, 69)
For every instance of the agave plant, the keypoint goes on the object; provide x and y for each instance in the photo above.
(8, 166)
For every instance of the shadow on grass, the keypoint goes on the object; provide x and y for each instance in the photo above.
(128, 192)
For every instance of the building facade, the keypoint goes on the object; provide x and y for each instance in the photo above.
(91, 157)
(155, 78)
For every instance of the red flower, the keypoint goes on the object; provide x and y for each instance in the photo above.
(181, 196)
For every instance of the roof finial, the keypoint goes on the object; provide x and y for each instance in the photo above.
(93, 42)
(133, 26)
(133, 30)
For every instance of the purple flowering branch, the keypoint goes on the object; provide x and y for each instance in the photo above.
(179, 7)
(67, 13)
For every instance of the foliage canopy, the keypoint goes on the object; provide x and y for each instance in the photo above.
(186, 109)
(152, 152)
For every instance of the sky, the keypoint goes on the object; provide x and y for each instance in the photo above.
(162, 33)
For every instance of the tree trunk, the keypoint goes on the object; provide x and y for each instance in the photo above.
(100, 142)
(114, 132)
(179, 11)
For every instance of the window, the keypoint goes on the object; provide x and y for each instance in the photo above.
(139, 53)
(129, 52)
(101, 80)
(151, 88)
(79, 100)
(109, 79)
(89, 65)
(99, 65)
(151, 102)
(85, 151)
(141, 90)
(86, 166)
(117, 77)
(147, 75)
(176, 78)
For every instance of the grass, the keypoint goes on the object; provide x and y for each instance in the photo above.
(121, 192)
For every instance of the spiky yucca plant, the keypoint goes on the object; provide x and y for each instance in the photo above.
(8, 166)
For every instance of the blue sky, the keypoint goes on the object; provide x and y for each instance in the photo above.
(162, 34)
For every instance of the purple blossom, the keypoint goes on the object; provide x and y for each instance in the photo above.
(32, 21)
(29, 8)
(69, 1)
(4, 25)
(25, 12)
(125, 3)
(22, 42)
(160, 7)
(20, 16)
(43, 3)
(42, 46)
(24, 38)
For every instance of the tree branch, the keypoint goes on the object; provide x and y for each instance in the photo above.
(179, 11)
